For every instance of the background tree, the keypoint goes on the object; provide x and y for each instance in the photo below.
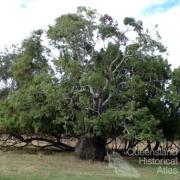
(172, 102)
(32, 107)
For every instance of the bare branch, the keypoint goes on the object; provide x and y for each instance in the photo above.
(91, 90)
(107, 100)
(106, 84)
(112, 63)
(124, 58)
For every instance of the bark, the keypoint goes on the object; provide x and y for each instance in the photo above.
(149, 145)
(91, 148)
(51, 142)
(156, 146)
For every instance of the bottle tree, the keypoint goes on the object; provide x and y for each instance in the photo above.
(111, 84)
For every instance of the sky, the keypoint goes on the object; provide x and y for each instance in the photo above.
(20, 17)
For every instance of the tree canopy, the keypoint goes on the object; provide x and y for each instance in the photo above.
(104, 84)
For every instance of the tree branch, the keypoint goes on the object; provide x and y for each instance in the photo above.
(91, 90)
(112, 63)
(106, 85)
(107, 100)
(124, 58)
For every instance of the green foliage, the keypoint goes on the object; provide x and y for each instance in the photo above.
(144, 126)
(137, 25)
(172, 101)
(33, 108)
(176, 80)
(31, 59)
(66, 26)
(121, 88)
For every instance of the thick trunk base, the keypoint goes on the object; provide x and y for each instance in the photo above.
(91, 148)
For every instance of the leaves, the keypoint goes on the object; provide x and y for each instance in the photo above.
(104, 84)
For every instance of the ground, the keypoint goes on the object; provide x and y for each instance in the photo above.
(19, 165)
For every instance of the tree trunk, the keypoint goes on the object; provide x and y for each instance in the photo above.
(156, 146)
(149, 145)
(91, 148)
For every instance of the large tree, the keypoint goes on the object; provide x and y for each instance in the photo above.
(105, 85)
(112, 84)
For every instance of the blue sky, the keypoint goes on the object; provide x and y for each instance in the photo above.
(24, 3)
(161, 7)
(20, 17)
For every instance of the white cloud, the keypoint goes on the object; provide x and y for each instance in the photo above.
(169, 31)
(19, 17)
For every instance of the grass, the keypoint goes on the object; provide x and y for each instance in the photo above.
(19, 165)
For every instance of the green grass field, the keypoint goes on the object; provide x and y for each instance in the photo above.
(62, 166)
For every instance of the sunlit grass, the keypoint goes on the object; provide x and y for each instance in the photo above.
(65, 166)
